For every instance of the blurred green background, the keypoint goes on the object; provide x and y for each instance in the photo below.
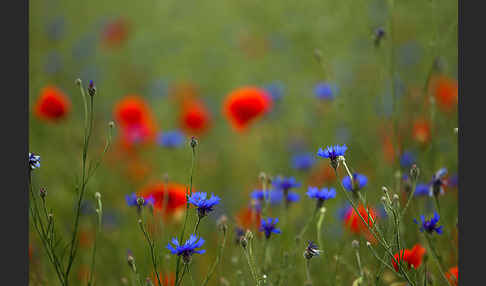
(216, 47)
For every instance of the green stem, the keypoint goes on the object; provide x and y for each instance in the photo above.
(437, 259)
(152, 250)
(217, 261)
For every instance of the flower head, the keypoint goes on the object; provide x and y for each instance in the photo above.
(421, 131)
(34, 161)
(422, 190)
(173, 193)
(259, 195)
(311, 250)
(353, 222)
(133, 200)
(453, 275)
(445, 91)
(321, 195)
(171, 139)
(195, 117)
(413, 257)
(276, 197)
(285, 184)
(115, 33)
(332, 153)
(407, 159)
(268, 226)
(430, 226)
(245, 105)
(52, 105)
(188, 248)
(204, 204)
(359, 181)
(303, 161)
(325, 91)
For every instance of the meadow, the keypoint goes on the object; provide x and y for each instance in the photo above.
(336, 120)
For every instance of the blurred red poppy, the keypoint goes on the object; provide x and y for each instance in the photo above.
(174, 193)
(246, 104)
(115, 33)
(413, 257)
(248, 218)
(453, 275)
(421, 130)
(445, 92)
(52, 104)
(353, 222)
(195, 118)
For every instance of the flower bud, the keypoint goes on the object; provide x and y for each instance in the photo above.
(414, 172)
(111, 124)
(194, 142)
(78, 82)
(131, 263)
(140, 201)
(355, 244)
(42, 192)
(91, 89)
(243, 242)
(97, 196)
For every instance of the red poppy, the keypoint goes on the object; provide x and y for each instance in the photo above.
(174, 192)
(246, 104)
(115, 33)
(52, 105)
(445, 91)
(413, 257)
(167, 280)
(195, 118)
(421, 131)
(248, 218)
(453, 275)
(354, 224)
(135, 119)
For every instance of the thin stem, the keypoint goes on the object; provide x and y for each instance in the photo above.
(414, 186)
(217, 261)
(307, 272)
(152, 250)
(437, 259)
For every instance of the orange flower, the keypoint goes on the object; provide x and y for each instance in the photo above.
(52, 105)
(174, 192)
(421, 131)
(195, 118)
(248, 218)
(135, 119)
(445, 91)
(246, 104)
(115, 33)
(453, 275)
(353, 222)
(413, 256)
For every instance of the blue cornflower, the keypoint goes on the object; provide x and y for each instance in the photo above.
(303, 161)
(438, 182)
(133, 200)
(332, 153)
(407, 159)
(311, 250)
(325, 91)
(429, 226)
(268, 226)
(188, 249)
(171, 139)
(421, 190)
(204, 205)
(321, 195)
(359, 181)
(276, 197)
(285, 184)
(34, 161)
(258, 195)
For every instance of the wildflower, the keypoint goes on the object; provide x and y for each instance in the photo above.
(34, 161)
(421, 190)
(332, 153)
(353, 222)
(52, 104)
(430, 226)
(421, 131)
(135, 119)
(445, 92)
(171, 139)
(453, 275)
(276, 197)
(358, 182)
(134, 200)
(268, 226)
(407, 159)
(204, 205)
(438, 183)
(259, 195)
(188, 248)
(311, 250)
(303, 161)
(412, 257)
(325, 91)
(249, 217)
(321, 195)
(285, 184)
(194, 118)
(115, 33)
(174, 193)
(245, 105)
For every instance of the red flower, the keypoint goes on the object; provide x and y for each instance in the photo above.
(413, 257)
(248, 218)
(135, 120)
(195, 118)
(52, 105)
(174, 192)
(115, 33)
(244, 105)
(353, 222)
(445, 91)
(453, 275)
(167, 280)
(421, 131)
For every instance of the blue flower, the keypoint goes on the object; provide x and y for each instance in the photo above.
(430, 226)
(285, 184)
(303, 161)
(438, 182)
(325, 91)
(322, 195)
(34, 161)
(132, 200)
(311, 250)
(171, 139)
(332, 153)
(268, 226)
(239, 233)
(204, 205)
(421, 190)
(188, 248)
(359, 181)
(258, 195)
(276, 197)
(407, 159)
